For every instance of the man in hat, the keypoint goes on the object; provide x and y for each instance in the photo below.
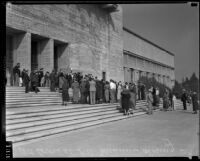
(149, 101)
(184, 99)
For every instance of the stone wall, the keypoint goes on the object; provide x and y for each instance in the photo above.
(93, 35)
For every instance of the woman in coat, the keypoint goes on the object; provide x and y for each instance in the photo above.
(133, 97)
(65, 94)
(125, 97)
(106, 91)
(76, 91)
(149, 102)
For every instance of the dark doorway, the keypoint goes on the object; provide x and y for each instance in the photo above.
(34, 55)
(56, 58)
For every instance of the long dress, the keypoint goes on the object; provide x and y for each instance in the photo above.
(76, 90)
(106, 90)
(52, 82)
(65, 93)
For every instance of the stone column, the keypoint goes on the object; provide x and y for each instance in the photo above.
(22, 50)
(46, 57)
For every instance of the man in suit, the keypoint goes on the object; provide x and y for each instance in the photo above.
(16, 74)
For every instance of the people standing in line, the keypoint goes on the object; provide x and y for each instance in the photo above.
(26, 81)
(112, 91)
(149, 102)
(92, 91)
(106, 92)
(47, 79)
(16, 74)
(133, 97)
(184, 99)
(76, 91)
(194, 102)
(125, 98)
(139, 90)
(52, 78)
(65, 93)
(98, 90)
(165, 101)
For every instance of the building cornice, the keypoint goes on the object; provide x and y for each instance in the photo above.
(150, 42)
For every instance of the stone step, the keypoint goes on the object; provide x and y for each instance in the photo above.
(35, 104)
(54, 114)
(32, 116)
(10, 100)
(32, 100)
(66, 128)
(61, 119)
(24, 110)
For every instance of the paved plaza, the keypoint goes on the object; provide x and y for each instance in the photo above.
(171, 133)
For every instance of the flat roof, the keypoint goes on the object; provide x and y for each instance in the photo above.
(124, 28)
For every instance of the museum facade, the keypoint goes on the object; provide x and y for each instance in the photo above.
(89, 38)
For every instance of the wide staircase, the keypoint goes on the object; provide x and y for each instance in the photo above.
(31, 116)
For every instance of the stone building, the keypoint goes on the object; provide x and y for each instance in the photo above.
(89, 38)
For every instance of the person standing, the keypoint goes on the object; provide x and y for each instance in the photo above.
(112, 91)
(83, 90)
(165, 101)
(194, 102)
(184, 99)
(76, 90)
(106, 92)
(35, 81)
(154, 97)
(125, 97)
(133, 97)
(149, 102)
(157, 97)
(16, 74)
(47, 79)
(65, 93)
(26, 80)
(22, 75)
(119, 90)
(52, 78)
(92, 91)
(61, 80)
(173, 101)
(40, 75)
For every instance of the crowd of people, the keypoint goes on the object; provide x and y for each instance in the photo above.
(87, 89)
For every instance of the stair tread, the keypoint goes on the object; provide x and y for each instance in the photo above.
(35, 135)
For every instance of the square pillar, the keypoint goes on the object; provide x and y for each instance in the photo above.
(22, 50)
(46, 55)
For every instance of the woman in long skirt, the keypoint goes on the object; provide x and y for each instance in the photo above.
(125, 95)
(132, 98)
(65, 94)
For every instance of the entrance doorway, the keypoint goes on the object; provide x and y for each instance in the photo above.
(34, 55)
(61, 59)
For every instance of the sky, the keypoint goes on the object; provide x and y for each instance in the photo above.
(174, 27)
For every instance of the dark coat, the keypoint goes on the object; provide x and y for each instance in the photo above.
(26, 78)
(16, 70)
(194, 101)
(184, 97)
(125, 99)
(99, 89)
(83, 86)
(65, 93)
